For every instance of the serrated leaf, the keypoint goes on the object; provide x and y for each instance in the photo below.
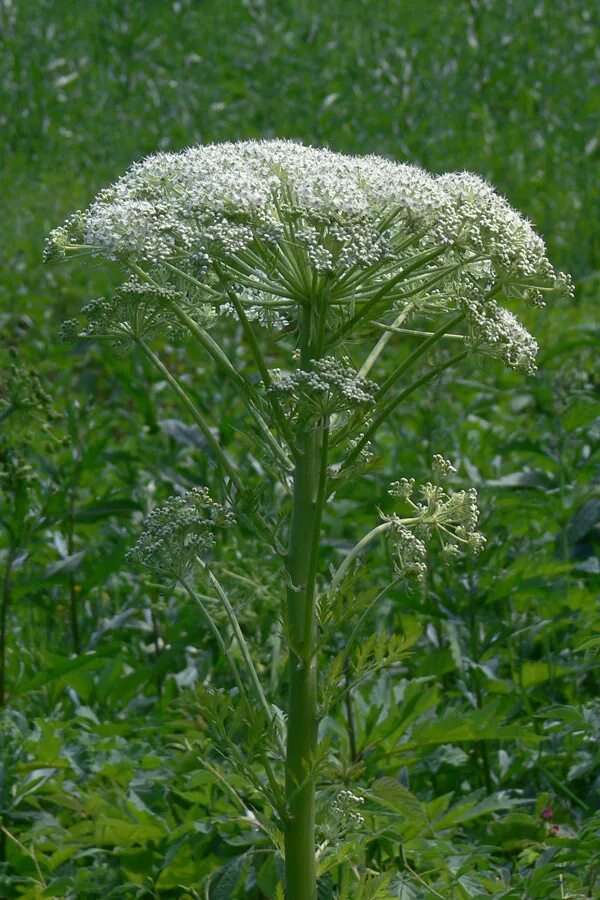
(472, 808)
(228, 879)
(113, 832)
(456, 726)
(66, 667)
(580, 414)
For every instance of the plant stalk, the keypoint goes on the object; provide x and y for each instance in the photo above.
(390, 406)
(197, 416)
(302, 566)
(301, 879)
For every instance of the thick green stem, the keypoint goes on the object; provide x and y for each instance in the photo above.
(302, 565)
(302, 711)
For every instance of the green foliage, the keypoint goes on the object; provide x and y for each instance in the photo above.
(472, 732)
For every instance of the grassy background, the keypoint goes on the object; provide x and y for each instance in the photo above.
(508, 90)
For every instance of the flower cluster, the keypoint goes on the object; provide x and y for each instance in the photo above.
(298, 222)
(411, 552)
(329, 387)
(68, 236)
(220, 197)
(496, 332)
(136, 310)
(343, 814)
(178, 532)
(256, 309)
(450, 516)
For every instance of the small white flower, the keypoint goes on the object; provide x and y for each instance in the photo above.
(329, 387)
(442, 467)
(272, 219)
(343, 814)
(450, 516)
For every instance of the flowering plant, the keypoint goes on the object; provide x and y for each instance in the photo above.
(333, 256)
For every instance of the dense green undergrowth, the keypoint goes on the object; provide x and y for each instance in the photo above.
(477, 757)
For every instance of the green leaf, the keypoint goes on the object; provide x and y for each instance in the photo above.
(473, 808)
(68, 564)
(229, 878)
(392, 794)
(93, 660)
(456, 726)
(586, 519)
(270, 874)
(110, 831)
(103, 509)
(580, 414)
(534, 672)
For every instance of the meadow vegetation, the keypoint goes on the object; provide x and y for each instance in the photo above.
(464, 764)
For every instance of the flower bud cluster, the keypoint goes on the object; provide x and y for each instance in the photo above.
(178, 532)
(450, 516)
(411, 552)
(67, 236)
(256, 310)
(496, 332)
(441, 467)
(366, 453)
(21, 390)
(329, 387)
(474, 216)
(344, 814)
(16, 474)
(136, 310)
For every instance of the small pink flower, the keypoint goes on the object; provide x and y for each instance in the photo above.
(547, 813)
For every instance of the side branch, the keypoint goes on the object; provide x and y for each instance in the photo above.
(260, 362)
(391, 380)
(420, 260)
(194, 412)
(222, 361)
(392, 404)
